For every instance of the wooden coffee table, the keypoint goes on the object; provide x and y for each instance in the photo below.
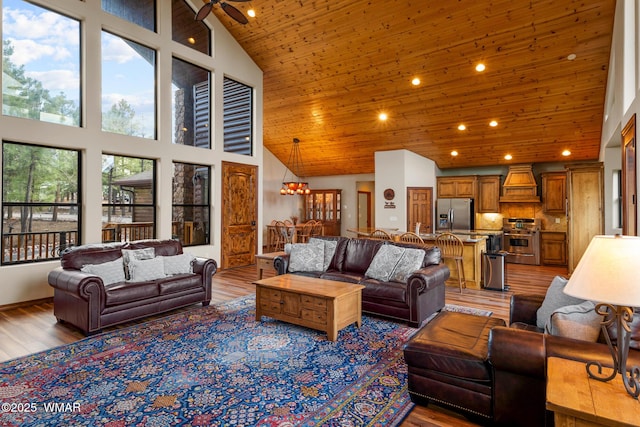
(325, 305)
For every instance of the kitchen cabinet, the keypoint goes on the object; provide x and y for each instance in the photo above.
(324, 206)
(585, 208)
(456, 186)
(488, 199)
(553, 247)
(554, 192)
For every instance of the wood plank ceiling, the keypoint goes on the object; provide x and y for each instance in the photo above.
(330, 67)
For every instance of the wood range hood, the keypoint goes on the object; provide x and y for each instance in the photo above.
(520, 186)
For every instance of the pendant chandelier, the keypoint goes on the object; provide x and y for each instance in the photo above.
(296, 185)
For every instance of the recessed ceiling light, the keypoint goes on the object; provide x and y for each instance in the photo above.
(493, 123)
(251, 13)
(383, 116)
(508, 157)
(191, 40)
(571, 56)
(415, 81)
(480, 67)
(566, 153)
(461, 126)
(454, 153)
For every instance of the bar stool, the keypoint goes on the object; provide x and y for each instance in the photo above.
(452, 248)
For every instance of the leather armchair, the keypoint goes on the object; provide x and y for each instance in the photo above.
(518, 356)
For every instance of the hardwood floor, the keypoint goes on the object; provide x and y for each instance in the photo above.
(31, 328)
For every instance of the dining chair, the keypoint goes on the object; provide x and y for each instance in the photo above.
(452, 248)
(411, 237)
(318, 228)
(306, 232)
(285, 233)
(380, 235)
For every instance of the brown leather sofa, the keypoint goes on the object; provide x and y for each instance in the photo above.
(83, 300)
(518, 356)
(413, 301)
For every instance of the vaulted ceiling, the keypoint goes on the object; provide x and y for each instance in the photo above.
(330, 67)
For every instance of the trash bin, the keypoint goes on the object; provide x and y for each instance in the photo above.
(493, 270)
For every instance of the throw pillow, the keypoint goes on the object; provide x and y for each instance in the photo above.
(110, 272)
(329, 250)
(411, 261)
(146, 269)
(580, 322)
(131, 254)
(553, 300)
(384, 262)
(306, 256)
(178, 264)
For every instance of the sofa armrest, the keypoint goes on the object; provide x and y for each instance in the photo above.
(78, 283)
(427, 278)
(524, 308)
(517, 350)
(206, 267)
(281, 264)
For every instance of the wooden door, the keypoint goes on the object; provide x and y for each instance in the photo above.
(629, 186)
(239, 214)
(420, 209)
(586, 211)
(364, 209)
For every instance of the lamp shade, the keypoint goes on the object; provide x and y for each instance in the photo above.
(608, 272)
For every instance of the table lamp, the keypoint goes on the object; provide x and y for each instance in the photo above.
(609, 274)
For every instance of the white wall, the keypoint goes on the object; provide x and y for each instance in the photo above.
(397, 170)
(621, 101)
(28, 282)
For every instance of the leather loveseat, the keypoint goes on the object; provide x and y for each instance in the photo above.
(412, 300)
(518, 356)
(82, 299)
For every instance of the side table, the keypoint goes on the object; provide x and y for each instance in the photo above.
(265, 262)
(578, 400)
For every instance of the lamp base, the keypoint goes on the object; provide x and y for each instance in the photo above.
(622, 316)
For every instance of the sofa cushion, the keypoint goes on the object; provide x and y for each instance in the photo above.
(411, 261)
(178, 264)
(359, 253)
(170, 285)
(146, 269)
(132, 254)
(110, 272)
(385, 291)
(553, 300)
(307, 256)
(343, 276)
(384, 263)
(125, 292)
(580, 322)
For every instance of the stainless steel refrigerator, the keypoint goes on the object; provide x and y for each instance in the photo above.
(454, 214)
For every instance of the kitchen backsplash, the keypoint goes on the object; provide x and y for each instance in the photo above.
(493, 221)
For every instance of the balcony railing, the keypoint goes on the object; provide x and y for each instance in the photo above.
(39, 245)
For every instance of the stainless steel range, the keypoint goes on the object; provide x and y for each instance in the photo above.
(521, 240)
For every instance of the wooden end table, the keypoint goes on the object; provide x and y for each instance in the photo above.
(320, 304)
(578, 400)
(265, 262)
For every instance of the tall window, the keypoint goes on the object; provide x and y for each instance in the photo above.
(191, 206)
(40, 69)
(238, 117)
(191, 104)
(140, 12)
(128, 198)
(40, 202)
(187, 31)
(128, 87)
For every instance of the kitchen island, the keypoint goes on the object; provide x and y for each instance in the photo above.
(474, 246)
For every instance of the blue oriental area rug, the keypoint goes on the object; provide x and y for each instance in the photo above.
(214, 366)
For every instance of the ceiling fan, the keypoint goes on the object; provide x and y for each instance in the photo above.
(230, 10)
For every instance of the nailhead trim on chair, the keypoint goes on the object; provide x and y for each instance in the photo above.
(451, 404)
